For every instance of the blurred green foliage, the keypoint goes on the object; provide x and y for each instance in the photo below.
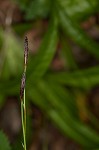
(46, 88)
(4, 143)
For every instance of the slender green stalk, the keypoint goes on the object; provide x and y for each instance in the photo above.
(23, 125)
(22, 93)
(24, 112)
(23, 117)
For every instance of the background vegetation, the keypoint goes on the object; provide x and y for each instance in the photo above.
(66, 94)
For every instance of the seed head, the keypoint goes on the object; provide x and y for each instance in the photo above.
(23, 80)
(25, 51)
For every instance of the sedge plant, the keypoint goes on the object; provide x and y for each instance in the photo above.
(22, 93)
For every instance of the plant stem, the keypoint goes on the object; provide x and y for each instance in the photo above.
(23, 116)
(22, 92)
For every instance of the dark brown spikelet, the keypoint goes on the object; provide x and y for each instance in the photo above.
(25, 51)
(23, 80)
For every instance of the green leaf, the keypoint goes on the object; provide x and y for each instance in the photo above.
(81, 78)
(76, 9)
(80, 10)
(12, 55)
(62, 117)
(38, 98)
(67, 54)
(68, 130)
(23, 27)
(38, 9)
(46, 51)
(4, 143)
(66, 111)
(76, 33)
(66, 97)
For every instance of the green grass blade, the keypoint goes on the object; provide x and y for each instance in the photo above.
(46, 51)
(67, 54)
(75, 32)
(85, 78)
(4, 143)
(64, 120)
(78, 10)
